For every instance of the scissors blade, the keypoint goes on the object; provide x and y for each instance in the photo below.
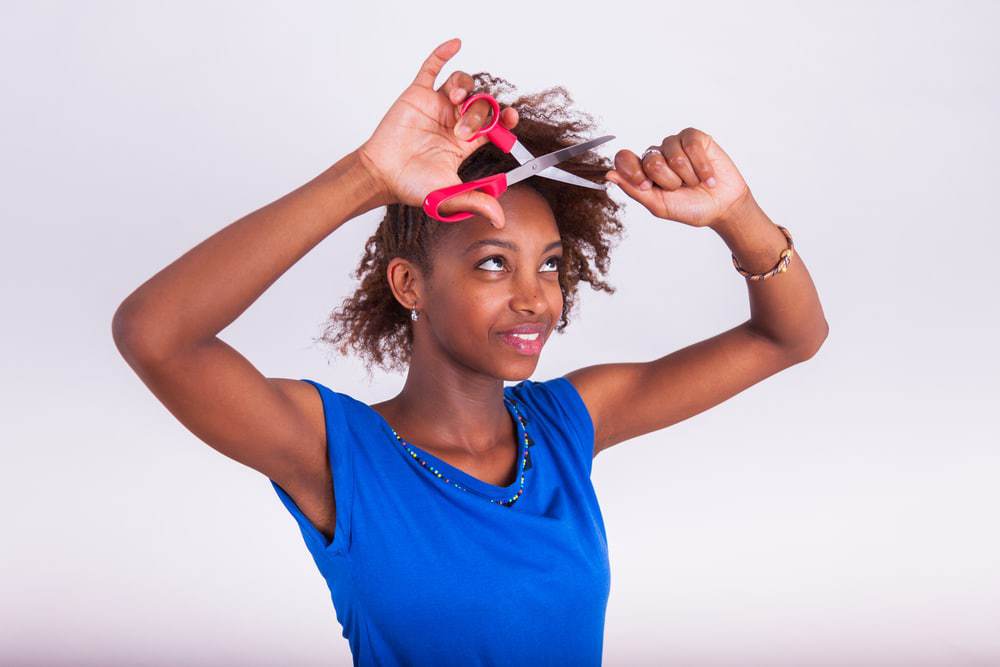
(536, 166)
(557, 174)
(520, 153)
(523, 156)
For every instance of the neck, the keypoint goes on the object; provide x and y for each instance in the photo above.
(452, 408)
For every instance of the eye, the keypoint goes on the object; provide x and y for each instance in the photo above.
(494, 257)
(554, 260)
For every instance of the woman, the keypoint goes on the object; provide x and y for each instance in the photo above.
(482, 543)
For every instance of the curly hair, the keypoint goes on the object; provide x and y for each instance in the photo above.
(379, 328)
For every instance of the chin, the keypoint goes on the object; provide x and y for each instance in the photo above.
(520, 371)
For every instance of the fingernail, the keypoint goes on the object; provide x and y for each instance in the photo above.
(462, 131)
(647, 184)
(711, 181)
(458, 94)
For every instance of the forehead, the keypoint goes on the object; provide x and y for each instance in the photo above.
(530, 225)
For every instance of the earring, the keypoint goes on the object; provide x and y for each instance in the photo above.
(414, 315)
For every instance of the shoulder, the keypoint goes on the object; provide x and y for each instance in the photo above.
(556, 395)
(308, 401)
(558, 402)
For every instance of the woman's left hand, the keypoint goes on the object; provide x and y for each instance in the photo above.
(693, 181)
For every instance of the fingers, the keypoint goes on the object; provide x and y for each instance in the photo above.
(677, 161)
(696, 144)
(696, 167)
(509, 117)
(681, 160)
(629, 169)
(457, 87)
(478, 203)
(431, 67)
(475, 117)
(624, 176)
(654, 164)
(692, 158)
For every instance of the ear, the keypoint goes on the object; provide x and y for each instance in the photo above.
(406, 282)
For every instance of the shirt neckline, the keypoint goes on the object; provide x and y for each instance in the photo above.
(457, 474)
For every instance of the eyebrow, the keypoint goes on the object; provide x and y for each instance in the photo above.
(506, 244)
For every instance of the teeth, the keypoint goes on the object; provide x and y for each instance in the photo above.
(526, 336)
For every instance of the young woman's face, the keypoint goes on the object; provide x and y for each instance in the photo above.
(488, 281)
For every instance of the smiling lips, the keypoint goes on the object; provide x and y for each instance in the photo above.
(525, 339)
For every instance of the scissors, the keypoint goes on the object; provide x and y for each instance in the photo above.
(497, 184)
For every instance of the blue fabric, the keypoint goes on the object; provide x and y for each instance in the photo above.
(423, 573)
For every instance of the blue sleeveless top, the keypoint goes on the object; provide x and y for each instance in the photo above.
(424, 573)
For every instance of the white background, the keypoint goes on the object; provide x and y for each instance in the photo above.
(842, 512)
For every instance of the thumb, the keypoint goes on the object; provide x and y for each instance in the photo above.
(644, 197)
(479, 204)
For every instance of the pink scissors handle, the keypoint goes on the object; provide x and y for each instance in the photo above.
(494, 185)
(498, 135)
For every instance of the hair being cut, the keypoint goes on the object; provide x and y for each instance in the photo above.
(378, 327)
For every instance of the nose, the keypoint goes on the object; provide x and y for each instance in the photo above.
(529, 296)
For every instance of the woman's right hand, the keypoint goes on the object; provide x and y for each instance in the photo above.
(417, 148)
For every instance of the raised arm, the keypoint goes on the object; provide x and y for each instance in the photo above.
(691, 180)
(167, 329)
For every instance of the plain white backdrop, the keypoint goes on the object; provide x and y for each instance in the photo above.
(842, 512)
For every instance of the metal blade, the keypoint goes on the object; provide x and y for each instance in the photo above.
(520, 153)
(523, 156)
(534, 167)
(557, 174)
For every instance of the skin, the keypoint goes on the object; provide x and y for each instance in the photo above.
(168, 328)
(422, 140)
(459, 362)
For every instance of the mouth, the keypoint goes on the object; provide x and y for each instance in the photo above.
(528, 344)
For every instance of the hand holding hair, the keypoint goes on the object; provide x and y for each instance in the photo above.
(687, 178)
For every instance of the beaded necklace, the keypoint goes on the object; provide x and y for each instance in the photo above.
(524, 465)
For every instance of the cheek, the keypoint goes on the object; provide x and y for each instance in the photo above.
(467, 314)
(468, 310)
